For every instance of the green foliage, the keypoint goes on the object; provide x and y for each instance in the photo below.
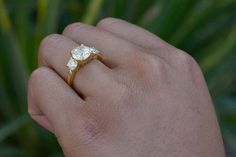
(206, 29)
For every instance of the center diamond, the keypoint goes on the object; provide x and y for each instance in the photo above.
(81, 52)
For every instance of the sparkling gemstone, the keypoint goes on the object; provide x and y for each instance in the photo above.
(77, 53)
(86, 51)
(93, 50)
(81, 53)
(72, 64)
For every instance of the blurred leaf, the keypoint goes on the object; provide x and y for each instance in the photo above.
(165, 23)
(226, 110)
(10, 151)
(92, 11)
(48, 13)
(218, 53)
(197, 14)
(222, 76)
(10, 128)
(140, 7)
(4, 18)
(22, 13)
(5, 107)
(13, 65)
(206, 32)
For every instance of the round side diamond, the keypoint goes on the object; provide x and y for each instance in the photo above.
(72, 64)
(93, 50)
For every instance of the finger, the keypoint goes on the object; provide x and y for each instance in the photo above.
(137, 35)
(37, 115)
(131, 32)
(54, 52)
(94, 77)
(54, 98)
(113, 48)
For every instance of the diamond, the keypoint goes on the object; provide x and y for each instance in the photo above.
(86, 51)
(72, 64)
(81, 53)
(93, 50)
(77, 53)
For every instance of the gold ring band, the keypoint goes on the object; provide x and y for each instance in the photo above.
(80, 56)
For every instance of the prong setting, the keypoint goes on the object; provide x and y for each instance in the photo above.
(80, 54)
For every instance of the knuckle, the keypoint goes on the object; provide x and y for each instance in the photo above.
(186, 60)
(184, 57)
(45, 43)
(74, 27)
(190, 67)
(149, 65)
(106, 22)
(150, 69)
(137, 51)
(149, 61)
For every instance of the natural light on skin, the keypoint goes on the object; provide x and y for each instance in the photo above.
(153, 102)
(146, 97)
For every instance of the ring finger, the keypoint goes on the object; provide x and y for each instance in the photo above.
(54, 52)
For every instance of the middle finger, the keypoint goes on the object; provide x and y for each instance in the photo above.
(114, 49)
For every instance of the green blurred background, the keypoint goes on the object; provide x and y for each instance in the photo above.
(206, 29)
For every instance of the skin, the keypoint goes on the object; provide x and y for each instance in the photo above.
(146, 99)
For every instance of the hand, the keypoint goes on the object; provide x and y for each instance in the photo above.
(146, 99)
